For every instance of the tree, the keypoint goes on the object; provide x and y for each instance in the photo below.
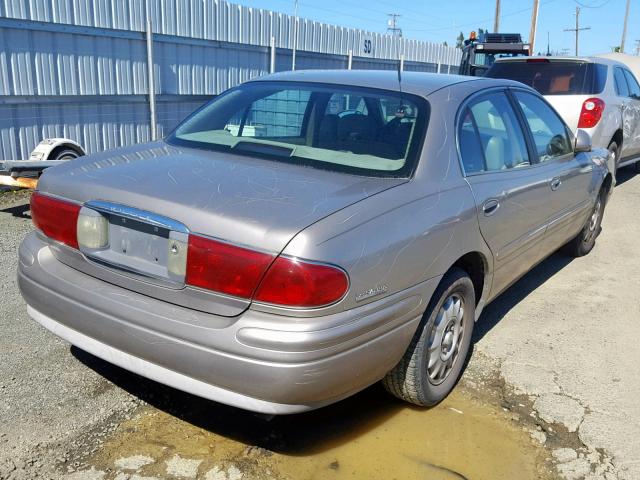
(460, 40)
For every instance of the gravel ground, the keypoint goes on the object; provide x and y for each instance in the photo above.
(47, 397)
(563, 339)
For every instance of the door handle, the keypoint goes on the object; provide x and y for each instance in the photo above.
(555, 184)
(490, 207)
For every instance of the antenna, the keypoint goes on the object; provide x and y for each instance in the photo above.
(548, 45)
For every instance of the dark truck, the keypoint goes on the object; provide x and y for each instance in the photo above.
(479, 53)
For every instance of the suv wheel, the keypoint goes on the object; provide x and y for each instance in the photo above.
(432, 364)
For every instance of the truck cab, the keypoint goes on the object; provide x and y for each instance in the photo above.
(479, 53)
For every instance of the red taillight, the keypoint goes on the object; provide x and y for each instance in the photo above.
(237, 271)
(295, 283)
(591, 113)
(224, 268)
(55, 218)
(537, 60)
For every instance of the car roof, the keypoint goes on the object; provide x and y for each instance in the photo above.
(417, 83)
(553, 59)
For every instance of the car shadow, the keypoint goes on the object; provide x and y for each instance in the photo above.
(318, 430)
(505, 302)
(625, 174)
(300, 434)
(19, 211)
(309, 432)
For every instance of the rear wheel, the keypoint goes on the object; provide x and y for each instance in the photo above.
(436, 356)
(584, 242)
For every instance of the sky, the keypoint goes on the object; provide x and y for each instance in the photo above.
(442, 20)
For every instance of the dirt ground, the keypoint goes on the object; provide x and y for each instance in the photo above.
(550, 392)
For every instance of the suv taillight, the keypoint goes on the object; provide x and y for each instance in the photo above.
(591, 113)
(56, 218)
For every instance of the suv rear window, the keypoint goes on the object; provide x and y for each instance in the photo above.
(554, 78)
(357, 130)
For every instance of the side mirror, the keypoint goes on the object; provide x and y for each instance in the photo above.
(583, 142)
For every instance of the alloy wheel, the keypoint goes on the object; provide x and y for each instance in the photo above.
(445, 339)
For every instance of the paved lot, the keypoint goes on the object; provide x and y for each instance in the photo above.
(564, 338)
(568, 334)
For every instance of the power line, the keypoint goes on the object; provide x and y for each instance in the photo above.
(583, 5)
(477, 22)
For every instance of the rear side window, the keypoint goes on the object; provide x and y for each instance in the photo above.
(554, 78)
(550, 134)
(634, 88)
(621, 83)
(490, 136)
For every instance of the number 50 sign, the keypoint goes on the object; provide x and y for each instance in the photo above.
(366, 49)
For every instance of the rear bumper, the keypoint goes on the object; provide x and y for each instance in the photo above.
(257, 361)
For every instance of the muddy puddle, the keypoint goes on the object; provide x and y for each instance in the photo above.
(370, 436)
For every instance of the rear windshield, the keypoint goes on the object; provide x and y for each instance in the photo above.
(357, 130)
(554, 78)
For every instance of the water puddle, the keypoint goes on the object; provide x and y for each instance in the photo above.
(370, 436)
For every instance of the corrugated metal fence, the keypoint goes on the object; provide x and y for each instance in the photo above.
(78, 68)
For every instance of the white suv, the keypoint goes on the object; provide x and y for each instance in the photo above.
(598, 95)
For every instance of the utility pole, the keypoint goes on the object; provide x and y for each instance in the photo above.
(496, 21)
(624, 28)
(534, 25)
(295, 35)
(577, 30)
(392, 25)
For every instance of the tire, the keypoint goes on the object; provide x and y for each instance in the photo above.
(412, 380)
(615, 149)
(64, 154)
(584, 242)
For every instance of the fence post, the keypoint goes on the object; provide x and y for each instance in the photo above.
(272, 55)
(402, 62)
(350, 60)
(151, 82)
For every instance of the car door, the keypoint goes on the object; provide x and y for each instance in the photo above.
(633, 112)
(511, 191)
(628, 127)
(570, 174)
